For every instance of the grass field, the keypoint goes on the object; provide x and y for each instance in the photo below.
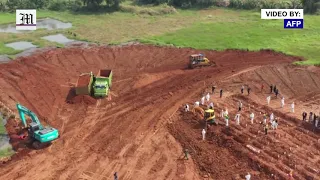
(187, 28)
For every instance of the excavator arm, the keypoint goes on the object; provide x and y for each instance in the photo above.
(24, 111)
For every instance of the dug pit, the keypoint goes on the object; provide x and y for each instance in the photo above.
(47, 23)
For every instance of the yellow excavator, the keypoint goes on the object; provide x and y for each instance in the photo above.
(208, 115)
(199, 60)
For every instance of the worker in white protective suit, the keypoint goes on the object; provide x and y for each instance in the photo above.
(282, 102)
(274, 124)
(251, 117)
(292, 107)
(211, 105)
(186, 108)
(202, 100)
(237, 118)
(207, 97)
(196, 104)
(271, 117)
(203, 134)
(248, 176)
(268, 99)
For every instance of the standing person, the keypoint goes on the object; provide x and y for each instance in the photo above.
(304, 116)
(242, 88)
(271, 88)
(186, 108)
(268, 99)
(316, 122)
(115, 176)
(273, 125)
(213, 88)
(248, 176)
(208, 97)
(240, 105)
(277, 92)
(196, 104)
(251, 117)
(226, 111)
(290, 174)
(222, 113)
(202, 100)
(249, 89)
(310, 116)
(264, 118)
(314, 119)
(271, 117)
(237, 118)
(226, 118)
(274, 88)
(262, 86)
(211, 105)
(203, 134)
(220, 93)
(266, 129)
(282, 102)
(292, 107)
(186, 152)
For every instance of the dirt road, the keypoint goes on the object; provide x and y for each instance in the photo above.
(135, 133)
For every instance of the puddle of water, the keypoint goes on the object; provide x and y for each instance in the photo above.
(59, 38)
(4, 59)
(4, 138)
(47, 23)
(21, 45)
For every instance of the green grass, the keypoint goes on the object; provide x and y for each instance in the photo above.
(224, 29)
(100, 28)
(6, 152)
(252, 33)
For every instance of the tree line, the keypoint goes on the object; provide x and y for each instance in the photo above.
(309, 6)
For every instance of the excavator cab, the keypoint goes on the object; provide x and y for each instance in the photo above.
(197, 60)
(209, 116)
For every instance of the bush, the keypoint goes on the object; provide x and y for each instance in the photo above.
(58, 5)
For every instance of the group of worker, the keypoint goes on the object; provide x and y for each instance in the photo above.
(313, 118)
(273, 121)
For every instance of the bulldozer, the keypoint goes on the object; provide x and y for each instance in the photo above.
(199, 60)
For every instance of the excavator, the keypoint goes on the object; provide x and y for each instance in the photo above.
(208, 115)
(199, 60)
(38, 135)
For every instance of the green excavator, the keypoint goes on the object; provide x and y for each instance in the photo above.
(38, 135)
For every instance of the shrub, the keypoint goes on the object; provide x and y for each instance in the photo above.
(58, 5)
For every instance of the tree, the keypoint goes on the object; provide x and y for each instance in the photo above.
(311, 6)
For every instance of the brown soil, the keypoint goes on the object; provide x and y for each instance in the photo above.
(83, 80)
(83, 99)
(141, 132)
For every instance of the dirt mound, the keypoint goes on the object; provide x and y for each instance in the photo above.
(129, 134)
(83, 99)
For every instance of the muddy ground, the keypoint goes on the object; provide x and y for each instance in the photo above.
(142, 130)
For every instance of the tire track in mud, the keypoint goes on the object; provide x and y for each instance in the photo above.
(138, 115)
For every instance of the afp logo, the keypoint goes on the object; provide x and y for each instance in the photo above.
(293, 23)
